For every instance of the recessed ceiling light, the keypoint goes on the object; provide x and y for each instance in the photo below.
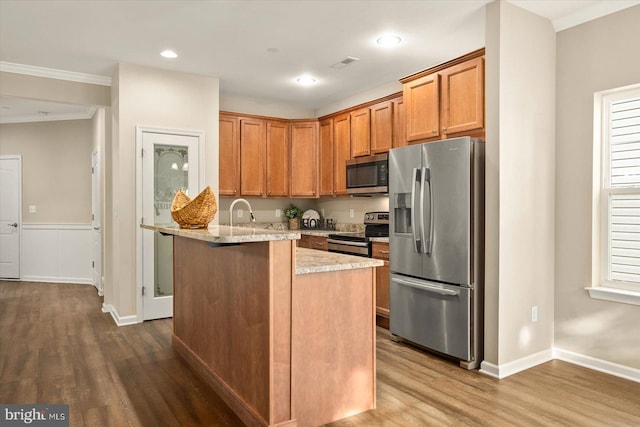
(305, 81)
(168, 54)
(389, 40)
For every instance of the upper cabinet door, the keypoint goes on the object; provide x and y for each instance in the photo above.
(229, 164)
(381, 127)
(252, 157)
(421, 99)
(341, 152)
(326, 157)
(360, 132)
(463, 97)
(277, 159)
(399, 123)
(304, 159)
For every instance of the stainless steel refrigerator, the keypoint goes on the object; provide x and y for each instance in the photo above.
(436, 236)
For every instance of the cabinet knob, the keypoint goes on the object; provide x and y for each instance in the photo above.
(444, 128)
(435, 131)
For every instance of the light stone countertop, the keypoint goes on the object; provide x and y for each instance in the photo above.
(226, 234)
(379, 239)
(314, 261)
(321, 233)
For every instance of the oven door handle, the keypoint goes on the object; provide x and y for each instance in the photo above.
(348, 242)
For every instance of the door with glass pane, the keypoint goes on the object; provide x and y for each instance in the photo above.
(169, 163)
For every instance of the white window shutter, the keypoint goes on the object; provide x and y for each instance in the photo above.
(625, 143)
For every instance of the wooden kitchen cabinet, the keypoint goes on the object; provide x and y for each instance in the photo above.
(381, 251)
(252, 157)
(326, 157)
(313, 242)
(304, 159)
(341, 152)
(462, 101)
(382, 127)
(277, 159)
(422, 102)
(399, 123)
(229, 163)
(360, 132)
(446, 101)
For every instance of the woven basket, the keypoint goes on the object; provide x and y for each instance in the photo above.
(196, 213)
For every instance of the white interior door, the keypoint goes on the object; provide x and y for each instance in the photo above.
(96, 222)
(10, 216)
(170, 162)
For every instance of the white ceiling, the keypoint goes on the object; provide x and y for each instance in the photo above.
(258, 48)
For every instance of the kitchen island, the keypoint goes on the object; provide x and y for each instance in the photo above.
(285, 336)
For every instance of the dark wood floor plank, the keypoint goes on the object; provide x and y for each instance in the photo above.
(56, 346)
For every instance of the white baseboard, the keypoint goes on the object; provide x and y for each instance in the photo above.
(518, 365)
(57, 279)
(120, 320)
(600, 365)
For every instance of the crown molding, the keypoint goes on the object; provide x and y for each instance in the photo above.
(51, 73)
(28, 118)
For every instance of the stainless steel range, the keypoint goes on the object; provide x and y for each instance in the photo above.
(376, 225)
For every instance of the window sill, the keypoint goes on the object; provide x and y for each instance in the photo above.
(615, 295)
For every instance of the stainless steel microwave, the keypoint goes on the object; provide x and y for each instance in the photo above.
(368, 175)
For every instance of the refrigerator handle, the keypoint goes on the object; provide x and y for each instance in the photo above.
(425, 286)
(426, 225)
(415, 224)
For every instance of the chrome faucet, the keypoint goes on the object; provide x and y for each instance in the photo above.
(236, 201)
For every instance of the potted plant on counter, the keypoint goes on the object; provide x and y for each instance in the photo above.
(294, 214)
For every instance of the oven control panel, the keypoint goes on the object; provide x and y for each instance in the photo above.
(376, 218)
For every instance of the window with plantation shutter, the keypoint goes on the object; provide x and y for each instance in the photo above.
(620, 190)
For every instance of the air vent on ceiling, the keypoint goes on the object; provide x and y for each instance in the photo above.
(340, 65)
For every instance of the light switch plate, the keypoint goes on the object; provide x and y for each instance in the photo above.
(32, 208)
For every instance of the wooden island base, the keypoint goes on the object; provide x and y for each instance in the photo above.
(281, 349)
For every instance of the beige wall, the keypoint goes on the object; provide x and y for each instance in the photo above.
(260, 107)
(46, 89)
(595, 56)
(360, 98)
(56, 169)
(162, 99)
(520, 183)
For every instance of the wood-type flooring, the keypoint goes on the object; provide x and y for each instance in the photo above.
(56, 346)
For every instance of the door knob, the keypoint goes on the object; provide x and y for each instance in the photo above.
(15, 224)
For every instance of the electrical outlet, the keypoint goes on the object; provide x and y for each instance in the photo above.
(278, 213)
(240, 213)
(32, 208)
(534, 313)
(351, 213)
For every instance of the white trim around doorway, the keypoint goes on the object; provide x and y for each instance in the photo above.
(201, 170)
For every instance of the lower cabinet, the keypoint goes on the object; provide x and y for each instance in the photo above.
(313, 242)
(381, 251)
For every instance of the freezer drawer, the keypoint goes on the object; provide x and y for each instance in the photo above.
(434, 315)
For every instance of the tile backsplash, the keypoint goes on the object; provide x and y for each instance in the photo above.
(337, 208)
